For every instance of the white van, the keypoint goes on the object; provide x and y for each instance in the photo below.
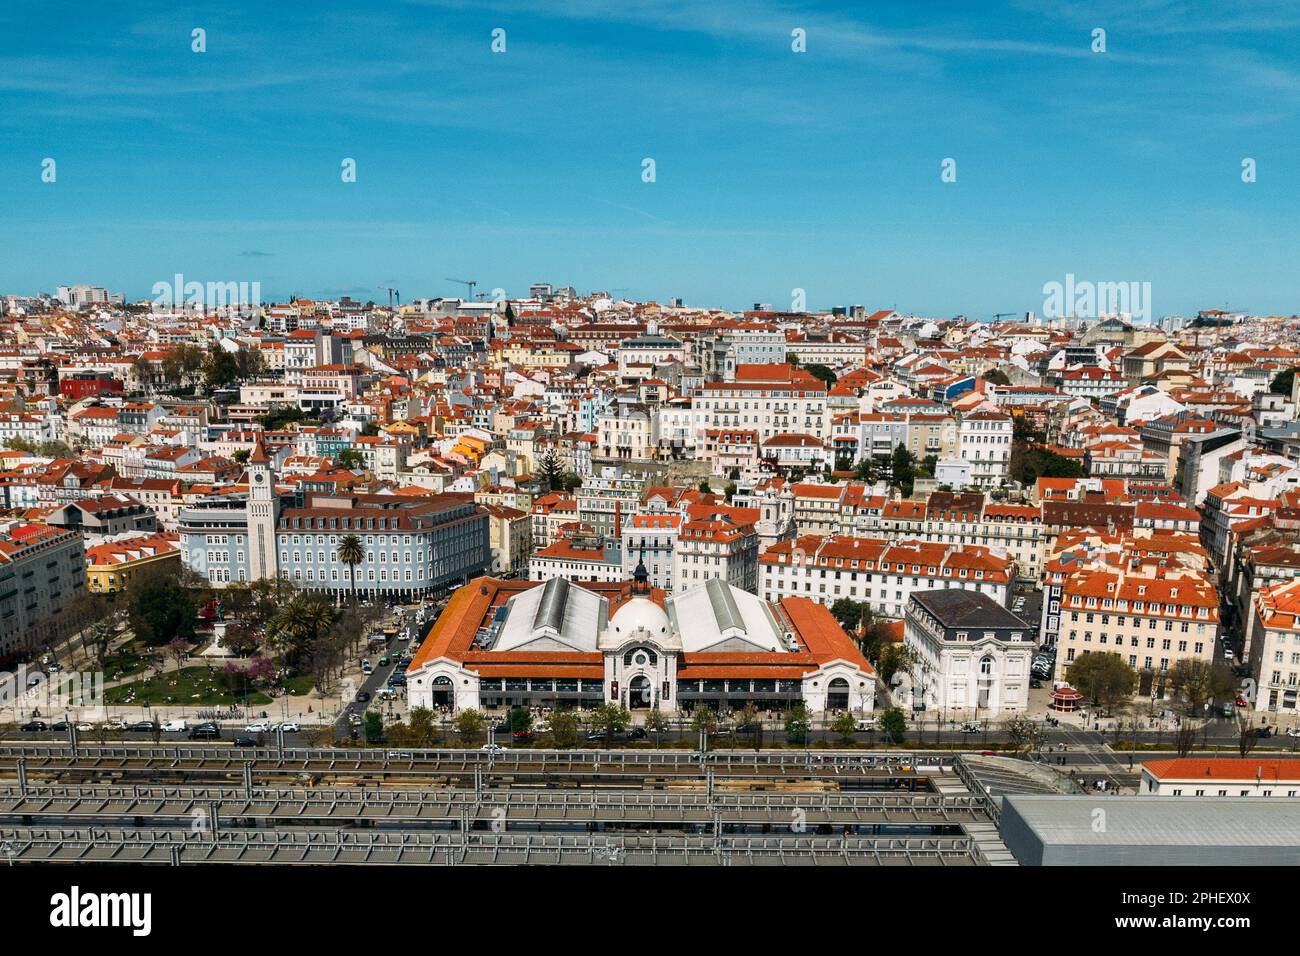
(176, 726)
(867, 724)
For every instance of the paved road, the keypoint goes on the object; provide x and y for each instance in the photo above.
(409, 637)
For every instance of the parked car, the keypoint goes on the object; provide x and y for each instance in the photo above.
(61, 725)
(492, 748)
(34, 726)
(637, 733)
(261, 727)
(245, 742)
(1035, 683)
(363, 696)
(85, 727)
(867, 724)
(970, 727)
(1293, 732)
(523, 735)
(1263, 733)
(290, 727)
(383, 661)
(141, 727)
(205, 732)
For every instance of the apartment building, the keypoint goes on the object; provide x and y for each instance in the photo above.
(1275, 651)
(770, 399)
(42, 570)
(984, 441)
(1151, 616)
(651, 540)
(717, 542)
(881, 573)
(111, 566)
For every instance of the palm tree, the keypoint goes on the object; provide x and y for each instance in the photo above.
(293, 632)
(352, 552)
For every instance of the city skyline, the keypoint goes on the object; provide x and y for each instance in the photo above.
(774, 170)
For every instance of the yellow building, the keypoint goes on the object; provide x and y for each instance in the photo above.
(111, 566)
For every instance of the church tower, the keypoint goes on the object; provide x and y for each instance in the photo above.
(263, 514)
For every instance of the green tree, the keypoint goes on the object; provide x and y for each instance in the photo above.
(822, 373)
(351, 459)
(469, 725)
(844, 725)
(852, 615)
(564, 729)
(894, 657)
(1195, 683)
(1282, 382)
(729, 492)
(704, 719)
(519, 718)
(997, 377)
(893, 724)
(550, 468)
(705, 487)
(655, 724)
(294, 632)
(221, 369)
(610, 719)
(796, 724)
(374, 725)
(423, 728)
(1105, 679)
(351, 552)
(161, 609)
(903, 469)
(868, 470)
(1026, 465)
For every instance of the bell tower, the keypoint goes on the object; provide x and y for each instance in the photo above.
(263, 514)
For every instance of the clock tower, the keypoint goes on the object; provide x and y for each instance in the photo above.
(263, 514)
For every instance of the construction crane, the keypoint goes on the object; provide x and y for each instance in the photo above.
(466, 282)
(391, 292)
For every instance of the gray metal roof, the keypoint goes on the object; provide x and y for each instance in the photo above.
(957, 607)
(1153, 821)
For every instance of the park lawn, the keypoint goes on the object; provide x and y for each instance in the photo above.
(123, 664)
(300, 685)
(178, 688)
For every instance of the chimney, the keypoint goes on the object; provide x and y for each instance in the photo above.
(618, 520)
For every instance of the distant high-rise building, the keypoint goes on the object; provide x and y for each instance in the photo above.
(81, 296)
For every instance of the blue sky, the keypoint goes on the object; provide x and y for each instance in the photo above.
(775, 170)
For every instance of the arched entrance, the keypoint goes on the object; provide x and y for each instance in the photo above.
(837, 694)
(639, 693)
(442, 692)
